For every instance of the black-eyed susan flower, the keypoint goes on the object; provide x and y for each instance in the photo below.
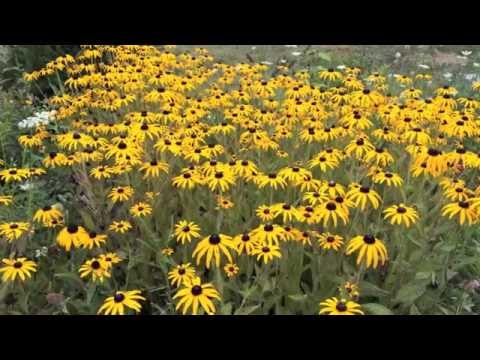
(141, 209)
(110, 259)
(212, 247)
(167, 251)
(13, 174)
(122, 301)
(96, 268)
(196, 294)
(387, 177)
(463, 210)
(331, 211)
(371, 250)
(94, 239)
(121, 226)
(121, 193)
(6, 200)
(265, 213)
(329, 241)
(72, 235)
(47, 214)
(187, 180)
(330, 75)
(185, 231)
(19, 267)
(244, 243)
(287, 212)
(266, 252)
(181, 273)
(351, 289)
(13, 230)
(224, 203)
(360, 195)
(267, 234)
(272, 180)
(153, 169)
(401, 214)
(231, 270)
(334, 306)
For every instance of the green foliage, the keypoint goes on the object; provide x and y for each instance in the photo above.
(26, 58)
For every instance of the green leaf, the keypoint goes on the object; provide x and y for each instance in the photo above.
(324, 56)
(246, 310)
(410, 292)
(369, 289)
(87, 219)
(414, 310)
(298, 297)
(72, 277)
(226, 309)
(376, 309)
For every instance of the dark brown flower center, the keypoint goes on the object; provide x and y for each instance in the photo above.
(214, 239)
(196, 290)
(118, 298)
(341, 307)
(369, 239)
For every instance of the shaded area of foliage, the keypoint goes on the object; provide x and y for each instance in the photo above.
(26, 58)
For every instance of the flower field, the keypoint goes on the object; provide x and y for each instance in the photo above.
(164, 181)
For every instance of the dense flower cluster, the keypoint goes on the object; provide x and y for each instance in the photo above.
(226, 166)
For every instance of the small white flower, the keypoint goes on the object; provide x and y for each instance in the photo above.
(266, 63)
(462, 57)
(341, 67)
(447, 75)
(296, 53)
(27, 186)
(466, 52)
(398, 55)
(42, 252)
(470, 77)
(283, 61)
(291, 46)
(254, 47)
(423, 66)
(476, 64)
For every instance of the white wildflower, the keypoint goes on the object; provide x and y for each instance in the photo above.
(291, 46)
(40, 118)
(423, 66)
(296, 53)
(466, 52)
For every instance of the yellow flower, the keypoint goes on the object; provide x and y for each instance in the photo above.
(194, 294)
(20, 267)
(121, 193)
(185, 231)
(121, 226)
(13, 230)
(464, 210)
(399, 214)
(370, 249)
(141, 209)
(97, 268)
(72, 235)
(181, 274)
(266, 252)
(334, 306)
(212, 247)
(122, 300)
